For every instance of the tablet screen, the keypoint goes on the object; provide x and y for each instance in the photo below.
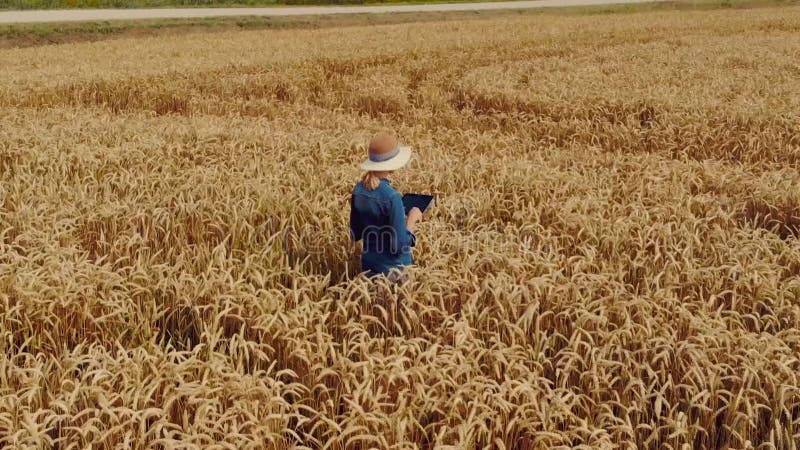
(421, 201)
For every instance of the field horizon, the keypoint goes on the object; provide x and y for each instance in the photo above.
(612, 261)
(39, 34)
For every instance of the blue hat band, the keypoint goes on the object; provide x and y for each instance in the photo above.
(381, 157)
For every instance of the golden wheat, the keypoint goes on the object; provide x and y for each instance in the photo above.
(613, 262)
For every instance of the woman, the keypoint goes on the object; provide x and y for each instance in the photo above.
(377, 215)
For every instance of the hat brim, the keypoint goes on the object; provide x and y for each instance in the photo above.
(400, 160)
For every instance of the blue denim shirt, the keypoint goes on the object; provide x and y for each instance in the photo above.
(379, 219)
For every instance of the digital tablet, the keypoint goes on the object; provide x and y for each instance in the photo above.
(421, 201)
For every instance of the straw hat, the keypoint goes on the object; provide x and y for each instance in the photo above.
(386, 154)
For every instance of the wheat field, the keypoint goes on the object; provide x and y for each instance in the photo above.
(612, 262)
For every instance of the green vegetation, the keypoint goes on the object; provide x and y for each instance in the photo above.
(68, 4)
(34, 34)
(72, 4)
(75, 4)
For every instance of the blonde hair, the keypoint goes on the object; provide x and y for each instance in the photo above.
(371, 180)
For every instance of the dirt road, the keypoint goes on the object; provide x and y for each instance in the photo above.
(83, 15)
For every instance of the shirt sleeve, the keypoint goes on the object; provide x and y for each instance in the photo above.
(356, 227)
(401, 237)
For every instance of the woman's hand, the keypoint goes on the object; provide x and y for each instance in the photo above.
(414, 216)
